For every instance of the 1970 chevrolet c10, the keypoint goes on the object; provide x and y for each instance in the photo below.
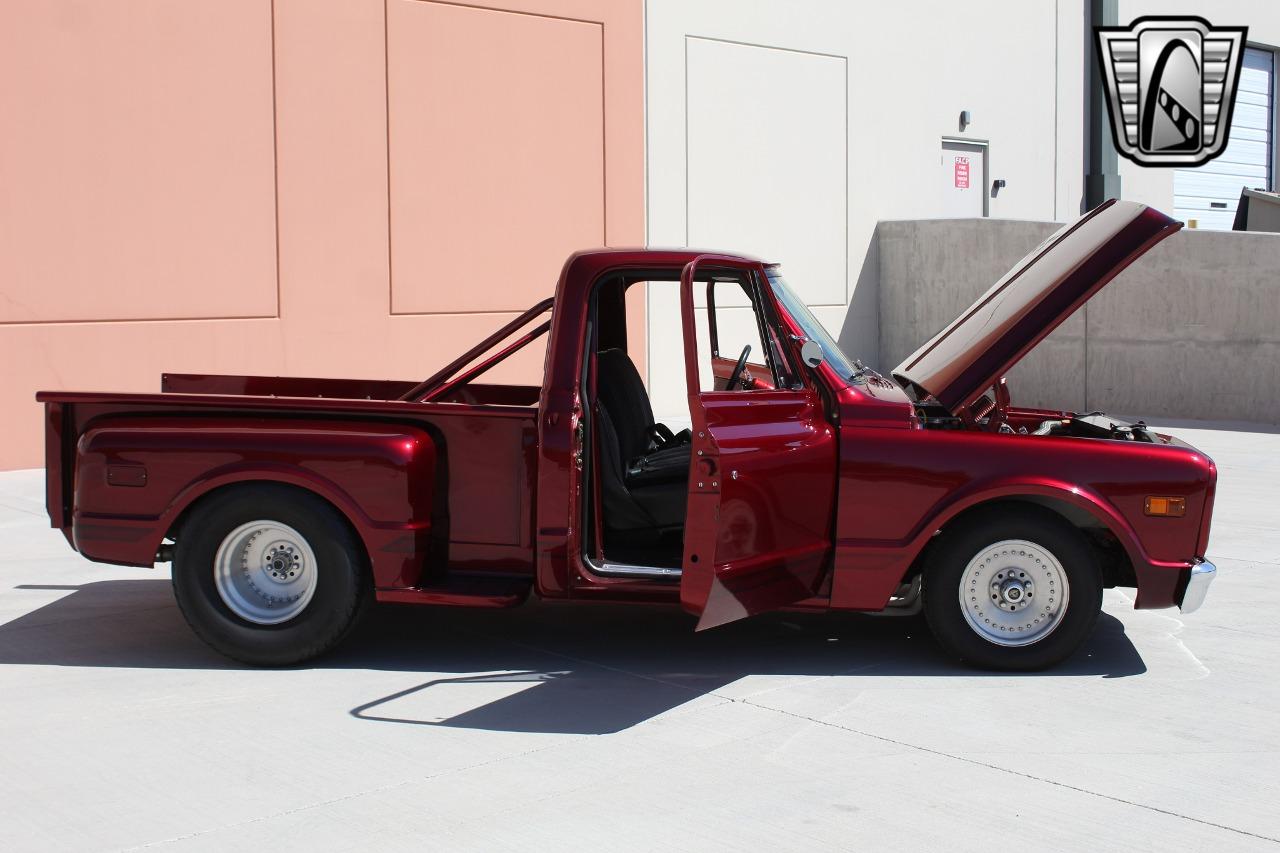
(286, 505)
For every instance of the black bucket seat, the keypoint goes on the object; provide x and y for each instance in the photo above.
(644, 467)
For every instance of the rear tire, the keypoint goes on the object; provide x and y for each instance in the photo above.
(1013, 588)
(269, 575)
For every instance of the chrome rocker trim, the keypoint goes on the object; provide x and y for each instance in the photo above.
(610, 569)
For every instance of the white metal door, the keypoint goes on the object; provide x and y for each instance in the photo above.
(963, 180)
(1210, 193)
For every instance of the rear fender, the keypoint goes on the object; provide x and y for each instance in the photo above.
(137, 478)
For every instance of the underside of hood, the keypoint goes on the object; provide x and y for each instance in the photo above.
(1041, 291)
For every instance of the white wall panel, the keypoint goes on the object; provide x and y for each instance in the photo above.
(766, 170)
(667, 386)
(789, 129)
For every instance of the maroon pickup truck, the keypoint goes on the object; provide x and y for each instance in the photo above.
(804, 481)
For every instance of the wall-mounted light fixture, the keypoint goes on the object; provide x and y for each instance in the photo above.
(965, 119)
(996, 186)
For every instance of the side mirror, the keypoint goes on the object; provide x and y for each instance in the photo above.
(811, 353)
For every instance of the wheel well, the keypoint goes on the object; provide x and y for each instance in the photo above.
(1117, 568)
(193, 508)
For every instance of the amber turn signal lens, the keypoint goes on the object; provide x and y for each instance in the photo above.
(1170, 507)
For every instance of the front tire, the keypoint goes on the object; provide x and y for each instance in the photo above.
(269, 575)
(1013, 588)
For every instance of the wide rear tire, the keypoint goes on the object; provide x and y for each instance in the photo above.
(269, 575)
(1014, 587)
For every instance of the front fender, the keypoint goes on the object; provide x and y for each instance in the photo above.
(898, 488)
(1096, 505)
(868, 573)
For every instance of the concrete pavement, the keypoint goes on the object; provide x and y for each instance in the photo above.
(563, 727)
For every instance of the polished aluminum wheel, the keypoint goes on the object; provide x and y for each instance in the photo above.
(1014, 593)
(265, 572)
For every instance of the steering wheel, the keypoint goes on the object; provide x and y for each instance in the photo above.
(736, 376)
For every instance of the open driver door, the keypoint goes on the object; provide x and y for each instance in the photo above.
(762, 477)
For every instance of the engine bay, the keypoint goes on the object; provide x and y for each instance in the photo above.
(1097, 425)
(1039, 422)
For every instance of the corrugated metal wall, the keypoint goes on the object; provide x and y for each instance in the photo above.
(1210, 193)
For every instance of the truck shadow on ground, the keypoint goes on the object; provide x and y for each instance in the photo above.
(555, 668)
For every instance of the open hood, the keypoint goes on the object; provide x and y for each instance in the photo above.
(1042, 290)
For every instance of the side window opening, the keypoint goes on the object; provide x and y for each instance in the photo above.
(736, 320)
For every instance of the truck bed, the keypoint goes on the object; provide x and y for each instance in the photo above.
(430, 487)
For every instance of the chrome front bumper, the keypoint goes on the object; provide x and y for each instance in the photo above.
(1202, 574)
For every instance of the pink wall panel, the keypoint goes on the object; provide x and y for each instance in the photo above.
(191, 208)
(137, 160)
(496, 131)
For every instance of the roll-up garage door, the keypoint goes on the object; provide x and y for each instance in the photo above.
(1209, 193)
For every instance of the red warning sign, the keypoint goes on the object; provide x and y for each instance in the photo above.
(962, 173)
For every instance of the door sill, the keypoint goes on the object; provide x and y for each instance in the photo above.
(612, 569)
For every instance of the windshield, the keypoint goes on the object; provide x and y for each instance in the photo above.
(815, 331)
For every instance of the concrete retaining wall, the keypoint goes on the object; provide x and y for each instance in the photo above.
(1191, 330)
